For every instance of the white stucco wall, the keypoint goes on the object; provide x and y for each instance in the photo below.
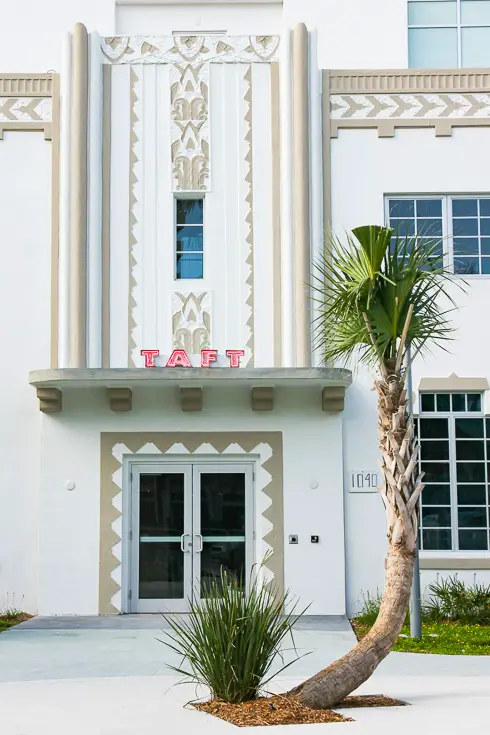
(352, 34)
(24, 335)
(69, 538)
(365, 168)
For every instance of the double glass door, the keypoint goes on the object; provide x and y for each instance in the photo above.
(188, 522)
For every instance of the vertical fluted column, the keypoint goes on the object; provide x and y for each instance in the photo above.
(94, 243)
(64, 209)
(301, 195)
(287, 258)
(78, 198)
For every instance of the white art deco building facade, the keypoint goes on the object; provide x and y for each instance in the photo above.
(167, 174)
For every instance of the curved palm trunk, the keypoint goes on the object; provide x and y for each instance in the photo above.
(399, 465)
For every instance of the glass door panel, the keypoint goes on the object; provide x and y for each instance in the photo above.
(222, 521)
(162, 530)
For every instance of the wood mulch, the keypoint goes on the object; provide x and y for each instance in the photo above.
(283, 710)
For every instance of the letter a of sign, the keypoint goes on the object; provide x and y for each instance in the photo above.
(178, 358)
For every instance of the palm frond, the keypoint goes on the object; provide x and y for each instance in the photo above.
(368, 288)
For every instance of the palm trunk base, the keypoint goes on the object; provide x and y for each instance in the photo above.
(331, 685)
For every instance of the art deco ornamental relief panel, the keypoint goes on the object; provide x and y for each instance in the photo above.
(191, 322)
(189, 58)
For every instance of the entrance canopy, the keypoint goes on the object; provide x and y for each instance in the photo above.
(192, 383)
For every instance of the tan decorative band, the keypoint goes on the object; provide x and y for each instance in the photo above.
(265, 446)
(450, 563)
(23, 85)
(454, 384)
(191, 49)
(394, 81)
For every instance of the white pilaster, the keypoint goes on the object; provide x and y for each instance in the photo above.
(94, 322)
(287, 275)
(316, 177)
(64, 204)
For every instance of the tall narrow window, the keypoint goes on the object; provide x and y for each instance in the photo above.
(454, 441)
(189, 238)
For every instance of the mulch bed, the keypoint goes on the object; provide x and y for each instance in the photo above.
(283, 710)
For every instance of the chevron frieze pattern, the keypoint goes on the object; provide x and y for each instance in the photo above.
(409, 106)
(25, 109)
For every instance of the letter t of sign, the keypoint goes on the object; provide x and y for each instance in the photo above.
(150, 357)
(235, 356)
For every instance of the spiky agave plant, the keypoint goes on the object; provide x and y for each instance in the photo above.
(378, 294)
(230, 640)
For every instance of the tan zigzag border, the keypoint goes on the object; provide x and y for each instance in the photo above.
(133, 180)
(249, 219)
(221, 443)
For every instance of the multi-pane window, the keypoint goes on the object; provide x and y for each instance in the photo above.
(454, 441)
(448, 33)
(189, 238)
(458, 227)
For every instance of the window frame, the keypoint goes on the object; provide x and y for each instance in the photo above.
(193, 196)
(458, 25)
(447, 225)
(451, 417)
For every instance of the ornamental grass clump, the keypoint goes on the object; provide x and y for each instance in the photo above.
(230, 639)
(452, 600)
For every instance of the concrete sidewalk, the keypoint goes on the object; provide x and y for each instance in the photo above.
(101, 677)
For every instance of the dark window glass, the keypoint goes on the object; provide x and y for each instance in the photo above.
(485, 266)
(472, 517)
(474, 401)
(487, 422)
(473, 540)
(437, 539)
(189, 265)
(435, 450)
(459, 402)
(471, 450)
(466, 266)
(401, 208)
(428, 401)
(189, 211)
(470, 472)
(189, 238)
(429, 208)
(470, 494)
(436, 495)
(436, 517)
(434, 428)
(485, 207)
(436, 471)
(429, 227)
(465, 208)
(465, 227)
(469, 428)
(403, 227)
(465, 246)
(443, 402)
(485, 226)
(485, 245)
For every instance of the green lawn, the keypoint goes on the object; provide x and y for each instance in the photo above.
(9, 619)
(446, 638)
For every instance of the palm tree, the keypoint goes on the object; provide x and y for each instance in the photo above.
(378, 294)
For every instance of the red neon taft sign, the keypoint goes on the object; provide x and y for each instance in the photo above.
(179, 358)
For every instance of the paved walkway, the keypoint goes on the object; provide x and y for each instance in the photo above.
(111, 677)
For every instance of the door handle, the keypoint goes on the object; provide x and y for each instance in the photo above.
(198, 535)
(182, 542)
